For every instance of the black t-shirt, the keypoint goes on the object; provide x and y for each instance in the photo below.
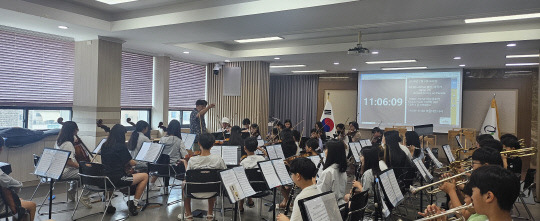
(115, 158)
(514, 164)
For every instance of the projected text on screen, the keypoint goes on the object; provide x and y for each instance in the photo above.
(408, 99)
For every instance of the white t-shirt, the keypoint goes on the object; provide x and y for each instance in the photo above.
(312, 190)
(333, 180)
(142, 138)
(206, 162)
(174, 147)
(68, 169)
(250, 161)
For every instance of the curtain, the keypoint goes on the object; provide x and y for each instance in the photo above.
(295, 97)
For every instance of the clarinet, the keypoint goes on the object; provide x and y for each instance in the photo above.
(291, 194)
(356, 175)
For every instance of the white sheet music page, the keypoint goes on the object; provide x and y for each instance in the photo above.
(279, 151)
(44, 162)
(316, 210)
(417, 163)
(385, 210)
(271, 152)
(240, 173)
(426, 171)
(449, 154)
(142, 152)
(188, 139)
(282, 172)
(58, 164)
(230, 155)
(436, 161)
(387, 185)
(395, 185)
(260, 143)
(354, 151)
(232, 185)
(270, 174)
(98, 147)
(216, 150)
(153, 152)
(367, 142)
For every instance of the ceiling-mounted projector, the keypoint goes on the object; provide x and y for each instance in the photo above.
(358, 49)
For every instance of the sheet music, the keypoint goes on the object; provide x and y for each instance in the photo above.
(418, 163)
(282, 172)
(244, 182)
(316, 210)
(142, 152)
(232, 185)
(385, 210)
(316, 160)
(260, 143)
(229, 155)
(459, 141)
(436, 161)
(216, 150)
(153, 152)
(57, 165)
(387, 185)
(189, 140)
(448, 153)
(279, 151)
(269, 174)
(354, 151)
(98, 147)
(271, 152)
(395, 186)
(44, 163)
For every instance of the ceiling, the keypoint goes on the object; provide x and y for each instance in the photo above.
(316, 33)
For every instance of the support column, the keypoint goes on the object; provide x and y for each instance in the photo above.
(96, 92)
(534, 163)
(160, 91)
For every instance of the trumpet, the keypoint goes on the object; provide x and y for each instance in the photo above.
(520, 152)
(454, 166)
(415, 190)
(456, 211)
(435, 191)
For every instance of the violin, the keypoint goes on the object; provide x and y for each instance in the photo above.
(81, 151)
(191, 154)
(162, 126)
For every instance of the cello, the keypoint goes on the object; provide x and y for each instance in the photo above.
(81, 151)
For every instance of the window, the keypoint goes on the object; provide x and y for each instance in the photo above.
(47, 119)
(186, 85)
(182, 116)
(137, 70)
(135, 115)
(11, 118)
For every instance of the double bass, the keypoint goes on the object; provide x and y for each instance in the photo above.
(127, 168)
(81, 151)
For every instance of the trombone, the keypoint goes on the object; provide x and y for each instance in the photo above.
(415, 190)
(520, 152)
(456, 211)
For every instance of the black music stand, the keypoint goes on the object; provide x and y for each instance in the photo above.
(51, 165)
(273, 178)
(149, 153)
(311, 205)
(236, 183)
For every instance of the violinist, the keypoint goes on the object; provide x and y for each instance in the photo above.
(274, 136)
(245, 125)
(376, 136)
(354, 134)
(296, 136)
(254, 131)
(236, 139)
(287, 124)
(225, 125)
(66, 141)
(311, 146)
(115, 156)
(315, 135)
(320, 131)
(7, 181)
(250, 162)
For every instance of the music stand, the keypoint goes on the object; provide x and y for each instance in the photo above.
(149, 153)
(97, 150)
(189, 140)
(51, 165)
(390, 188)
(274, 178)
(320, 207)
(448, 152)
(237, 186)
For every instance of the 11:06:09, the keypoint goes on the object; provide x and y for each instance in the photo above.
(383, 101)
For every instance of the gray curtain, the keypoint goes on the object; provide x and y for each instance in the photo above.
(294, 98)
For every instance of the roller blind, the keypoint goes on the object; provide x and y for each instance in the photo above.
(136, 80)
(35, 69)
(186, 85)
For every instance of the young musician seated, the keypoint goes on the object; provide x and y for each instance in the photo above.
(311, 146)
(315, 135)
(287, 124)
(174, 147)
(397, 156)
(297, 136)
(115, 157)
(203, 161)
(225, 125)
(320, 131)
(138, 137)
(250, 162)
(303, 173)
(66, 141)
(333, 178)
(511, 142)
(7, 181)
(481, 138)
(376, 136)
(245, 125)
(412, 141)
(254, 131)
(354, 134)
(370, 167)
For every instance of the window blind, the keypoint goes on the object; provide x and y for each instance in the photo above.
(136, 80)
(35, 69)
(186, 84)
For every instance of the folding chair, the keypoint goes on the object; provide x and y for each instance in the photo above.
(162, 168)
(202, 181)
(44, 180)
(258, 183)
(93, 179)
(6, 211)
(357, 206)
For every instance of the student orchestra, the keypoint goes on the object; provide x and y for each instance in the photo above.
(489, 194)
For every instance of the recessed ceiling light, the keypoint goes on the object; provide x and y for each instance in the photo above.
(258, 39)
(511, 72)
(62, 27)
(288, 66)
(521, 64)
(390, 62)
(113, 2)
(276, 58)
(186, 52)
(523, 56)
(310, 71)
(374, 52)
(227, 60)
(462, 65)
(511, 45)
(334, 77)
(354, 69)
(457, 58)
(402, 68)
(336, 63)
(503, 18)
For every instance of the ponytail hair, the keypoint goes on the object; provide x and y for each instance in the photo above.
(139, 127)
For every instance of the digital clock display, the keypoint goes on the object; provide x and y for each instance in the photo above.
(383, 101)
